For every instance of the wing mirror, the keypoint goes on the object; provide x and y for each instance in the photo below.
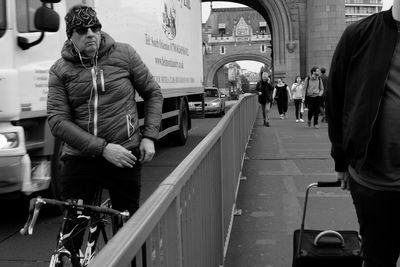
(46, 20)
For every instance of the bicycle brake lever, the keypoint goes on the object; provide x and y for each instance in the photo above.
(34, 208)
(125, 216)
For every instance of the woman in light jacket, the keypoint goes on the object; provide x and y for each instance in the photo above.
(298, 98)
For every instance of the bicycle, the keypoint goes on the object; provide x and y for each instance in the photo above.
(91, 221)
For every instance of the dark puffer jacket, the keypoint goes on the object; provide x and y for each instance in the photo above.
(87, 118)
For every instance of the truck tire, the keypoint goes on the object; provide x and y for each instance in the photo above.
(180, 137)
(56, 166)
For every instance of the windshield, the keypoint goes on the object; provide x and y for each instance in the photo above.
(211, 93)
(3, 19)
(25, 14)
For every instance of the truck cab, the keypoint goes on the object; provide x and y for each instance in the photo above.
(26, 144)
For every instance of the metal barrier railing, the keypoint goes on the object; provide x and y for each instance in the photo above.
(186, 222)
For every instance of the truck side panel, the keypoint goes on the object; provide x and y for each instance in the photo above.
(166, 34)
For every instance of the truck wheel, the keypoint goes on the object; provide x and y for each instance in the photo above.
(180, 137)
(56, 166)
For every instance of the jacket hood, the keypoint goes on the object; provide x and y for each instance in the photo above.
(69, 53)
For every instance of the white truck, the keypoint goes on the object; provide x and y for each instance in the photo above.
(166, 34)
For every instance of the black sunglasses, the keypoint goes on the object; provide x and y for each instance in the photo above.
(84, 30)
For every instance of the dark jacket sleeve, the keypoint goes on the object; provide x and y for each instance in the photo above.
(257, 89)
(148, 89)
(321, 87)
(60, 119)
(336, 97)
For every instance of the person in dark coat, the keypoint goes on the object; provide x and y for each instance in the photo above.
(91, 108)
(282, 95)
(363, 105)
(324, 79)
(265, 89)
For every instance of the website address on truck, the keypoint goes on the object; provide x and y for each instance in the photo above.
(168, 62)
(169, 79)
(156, 42)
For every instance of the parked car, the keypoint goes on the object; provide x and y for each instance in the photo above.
(214, 103)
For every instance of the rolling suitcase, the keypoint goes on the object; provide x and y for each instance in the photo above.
(325, 248)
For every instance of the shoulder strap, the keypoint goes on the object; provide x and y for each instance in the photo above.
(307, 83)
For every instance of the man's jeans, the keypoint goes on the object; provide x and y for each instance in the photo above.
(313, 104)
(378, 214)
(83, 176)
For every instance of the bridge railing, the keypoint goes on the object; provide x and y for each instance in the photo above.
(186, 222)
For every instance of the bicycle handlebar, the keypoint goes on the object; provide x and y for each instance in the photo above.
(36, 204)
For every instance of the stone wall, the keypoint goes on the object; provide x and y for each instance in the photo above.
(326, 23)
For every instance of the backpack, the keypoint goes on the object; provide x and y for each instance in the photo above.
(307, 79)
(305, 92)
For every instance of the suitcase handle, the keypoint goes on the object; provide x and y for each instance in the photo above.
(329, 233)
(329, 184)
(317, 184)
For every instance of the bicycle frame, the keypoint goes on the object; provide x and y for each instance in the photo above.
(87, 215)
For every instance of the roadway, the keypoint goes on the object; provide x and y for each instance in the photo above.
(35, 250)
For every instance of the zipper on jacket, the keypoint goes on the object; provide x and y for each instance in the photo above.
(371, 129)
(379, 107)
(96, 101)
(129, 125)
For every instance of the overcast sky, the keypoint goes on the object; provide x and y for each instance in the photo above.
(387, 4)
(252, 65)
(206, 6)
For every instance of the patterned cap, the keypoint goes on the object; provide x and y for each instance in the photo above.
(80, 16)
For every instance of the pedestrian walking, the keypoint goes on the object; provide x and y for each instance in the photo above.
(313, 92)
(265, 90)
(363, 105)
(282, 95)
(324, 79)
(297, 91)
(91, 107)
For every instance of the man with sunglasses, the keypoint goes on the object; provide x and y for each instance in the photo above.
(92, 109)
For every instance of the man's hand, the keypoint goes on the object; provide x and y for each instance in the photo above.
(344, 178)
(119, 156)
(147, 150)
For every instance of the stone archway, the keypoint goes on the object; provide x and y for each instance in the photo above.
(231, 58)
(304, 32)
(276, 14)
